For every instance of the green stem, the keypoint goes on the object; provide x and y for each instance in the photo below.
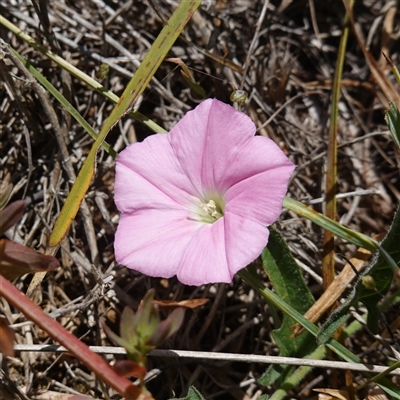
(328, 261)
(298, 375)
(254, 281)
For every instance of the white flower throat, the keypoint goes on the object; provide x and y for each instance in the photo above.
(210, 210)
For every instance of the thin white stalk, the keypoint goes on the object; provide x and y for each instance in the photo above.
(221, 357)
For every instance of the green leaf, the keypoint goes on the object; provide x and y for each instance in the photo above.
(251, 278)
(103, 71)
(131, 94)
(93, 83)
(63, 101)
(193, 394)
(288, 282)
(146, 319)
(392, 118)
(321, 220)
(351, 236)
(127, 327)
(382, 274)
(119, 341)
(167, 328)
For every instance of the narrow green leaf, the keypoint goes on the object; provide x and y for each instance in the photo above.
(297, 375)
(78, 74)
(382, 273)
(135, 88)
(351, 236)
(392, 118)
(146, 318)
(119, 341)
(319, 219)
(251, 278)
(63, 101)
(127, 327)
(289, 284)
(328, 260)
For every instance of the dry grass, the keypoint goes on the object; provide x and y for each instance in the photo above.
(291, 66)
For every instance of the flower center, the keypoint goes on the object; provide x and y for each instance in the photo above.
(209, 209)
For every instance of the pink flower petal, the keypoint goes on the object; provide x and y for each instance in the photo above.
(207, 141)
(245, 240)
(211, 154)
(153, 241)
(217, 251)
(205, 259)
(148, 175)
(258, 181)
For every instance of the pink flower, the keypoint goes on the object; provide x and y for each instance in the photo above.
(196, 202)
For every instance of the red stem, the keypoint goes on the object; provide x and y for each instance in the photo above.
(93, 361)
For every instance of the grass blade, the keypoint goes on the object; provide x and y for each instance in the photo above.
(135, 88)
(78, 73)
(328, 261)
(63, 101)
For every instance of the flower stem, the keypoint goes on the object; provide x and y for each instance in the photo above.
(93, 361)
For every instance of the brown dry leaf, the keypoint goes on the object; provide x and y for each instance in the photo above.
(394, 326)
(388, 89)
(332, 394)
(335, 289)
(6, 338)
(387, 31)
(376, 394)
(51, 395)
(192, 304)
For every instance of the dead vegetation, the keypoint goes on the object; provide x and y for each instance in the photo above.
(287, 69)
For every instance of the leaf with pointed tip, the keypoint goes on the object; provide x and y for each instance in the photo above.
(382, 274)
(144, 307)
(131, 94)
(10, 215)
(392, 117)
(288, 282)
(176, 318)
(115, 338)
(127, 326)
(146, 317)
(167, 327)
(17, 260)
